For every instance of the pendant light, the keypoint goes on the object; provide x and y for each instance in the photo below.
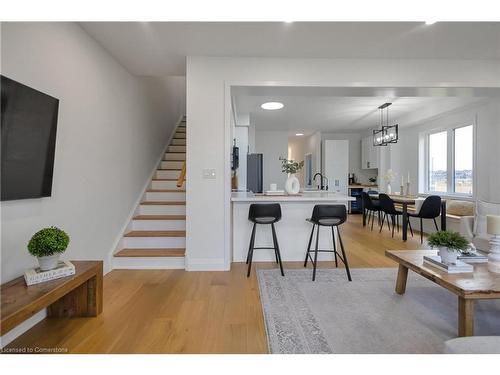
(387, 133)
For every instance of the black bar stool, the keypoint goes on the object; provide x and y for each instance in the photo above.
(327, 215)
(265, 214)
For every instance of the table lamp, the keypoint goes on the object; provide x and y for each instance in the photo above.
(493, 228)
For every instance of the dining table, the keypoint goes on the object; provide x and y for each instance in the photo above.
(405, 201)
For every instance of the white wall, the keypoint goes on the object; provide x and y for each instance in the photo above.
(273, 144)
(362, 175)
(209, 137)
(112, 128)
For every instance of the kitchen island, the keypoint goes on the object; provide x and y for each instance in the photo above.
(292, 230)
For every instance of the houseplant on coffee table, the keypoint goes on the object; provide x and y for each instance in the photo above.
(47, 245)
(449, 245)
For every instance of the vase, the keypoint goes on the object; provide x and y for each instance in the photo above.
(49, 262)
(292, 185)
(448, 255)
(389, 188)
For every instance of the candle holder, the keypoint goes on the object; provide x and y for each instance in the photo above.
(408, 189)
(402, 190)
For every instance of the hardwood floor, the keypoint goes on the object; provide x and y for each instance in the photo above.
(174, 311)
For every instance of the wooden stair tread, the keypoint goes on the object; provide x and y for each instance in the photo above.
(160, 217)
(165, 191)
(150, 253)
(164, 203)
(173, 160)
(156, 233)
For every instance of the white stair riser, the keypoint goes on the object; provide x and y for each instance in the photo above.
(159, 224)
(167, 174)
(165, 197)
(154, 242)
(167, 185)
(179, 142)
(162, 210)
(176, 148)
(172, 165)
(175, 156)
(149, 263)
(180, 135)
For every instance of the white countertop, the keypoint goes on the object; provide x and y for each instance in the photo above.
(304, 197)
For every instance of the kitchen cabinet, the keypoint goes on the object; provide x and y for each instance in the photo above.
(369, 154)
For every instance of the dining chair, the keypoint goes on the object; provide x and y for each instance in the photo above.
(370, 208)
(430, 209)
(390, 212)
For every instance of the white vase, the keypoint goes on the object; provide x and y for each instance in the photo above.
(389, 188)
(448, 255)
(292, 185)
(49, 262)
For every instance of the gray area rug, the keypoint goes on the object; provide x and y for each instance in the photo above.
(332, 315)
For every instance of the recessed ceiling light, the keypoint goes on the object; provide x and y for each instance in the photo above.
(430, 22)
(299, 134)
(271, 106)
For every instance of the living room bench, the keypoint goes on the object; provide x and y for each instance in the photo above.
(71, 296)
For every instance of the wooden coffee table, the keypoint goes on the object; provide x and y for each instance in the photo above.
(480, 284)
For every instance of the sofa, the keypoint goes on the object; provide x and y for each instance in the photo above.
(474, 227)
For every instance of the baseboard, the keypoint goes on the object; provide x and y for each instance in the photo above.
(206, 264)
(17, 331)
(156, 263)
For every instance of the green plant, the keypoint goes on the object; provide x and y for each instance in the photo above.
(290, 166)
(451, 240)
(372, 179)
(48, 241)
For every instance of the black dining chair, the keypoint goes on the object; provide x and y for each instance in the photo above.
(327, 215)
(370, 208)
(430, 209)
(264, 214)
(390, 212)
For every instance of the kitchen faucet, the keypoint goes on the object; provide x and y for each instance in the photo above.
(322, 186)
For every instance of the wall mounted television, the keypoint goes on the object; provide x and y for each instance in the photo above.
(28, 135)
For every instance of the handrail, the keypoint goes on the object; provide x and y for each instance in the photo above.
(182, 176)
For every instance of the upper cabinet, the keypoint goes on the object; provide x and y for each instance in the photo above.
(369, 155)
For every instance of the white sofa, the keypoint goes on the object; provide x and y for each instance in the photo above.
(473, 345)
(474, 227)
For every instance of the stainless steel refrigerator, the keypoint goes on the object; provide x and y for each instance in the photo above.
(254, 172)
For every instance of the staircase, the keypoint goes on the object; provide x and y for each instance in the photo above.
(156, 236)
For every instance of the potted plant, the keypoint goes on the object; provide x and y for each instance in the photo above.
(449, 245)
(290, 167)
(47, 245)
(373, 180)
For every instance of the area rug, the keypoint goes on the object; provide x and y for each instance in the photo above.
(332, 315)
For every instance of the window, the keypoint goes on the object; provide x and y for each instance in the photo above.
(449, 161)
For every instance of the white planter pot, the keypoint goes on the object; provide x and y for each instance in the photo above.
(447, 255)
(49, 262)
(292, 185)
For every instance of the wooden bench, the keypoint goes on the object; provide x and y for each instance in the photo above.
(71, 296)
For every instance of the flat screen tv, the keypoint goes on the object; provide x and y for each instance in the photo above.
(28, 132)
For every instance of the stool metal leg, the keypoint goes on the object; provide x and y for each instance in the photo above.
(344, 256)
(277, 249)
(250, 251)
(250, 245)
(335, 247)
(316, 254)
(309, 245)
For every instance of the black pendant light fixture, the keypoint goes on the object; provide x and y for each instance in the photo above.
(387, 133)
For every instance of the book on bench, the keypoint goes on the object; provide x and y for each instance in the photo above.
(34, 276)
(457, 267)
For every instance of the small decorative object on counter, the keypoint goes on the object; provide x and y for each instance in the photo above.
(47, 245)
(373, 180)
(493, 228)
(292, 185)
(449, 245)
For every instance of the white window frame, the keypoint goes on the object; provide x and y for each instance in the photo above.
(450, 157)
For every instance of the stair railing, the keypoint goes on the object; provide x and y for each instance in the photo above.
(182, 176)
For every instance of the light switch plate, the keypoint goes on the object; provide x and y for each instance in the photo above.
(209, 174)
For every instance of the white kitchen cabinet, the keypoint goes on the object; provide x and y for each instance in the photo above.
(336, 164)
(369, 154)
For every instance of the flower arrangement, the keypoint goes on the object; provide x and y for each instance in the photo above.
(389, 176)
(290, 166)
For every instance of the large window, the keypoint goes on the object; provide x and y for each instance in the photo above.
(449, 161)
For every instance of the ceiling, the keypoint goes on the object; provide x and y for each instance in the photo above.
(343, 109)
(160, 48)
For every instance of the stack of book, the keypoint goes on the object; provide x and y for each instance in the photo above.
(275, 192)
(36, 276)
(476, 257)
(457, 267)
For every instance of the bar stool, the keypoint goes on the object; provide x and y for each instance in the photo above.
(264, 214)
(327, 215)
